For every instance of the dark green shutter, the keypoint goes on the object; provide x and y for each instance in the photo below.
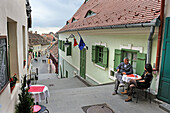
(105, 56)
(59, 44)
(94, 54)
(63, 46)
(118, 58)
(140, 63)
(69, 49)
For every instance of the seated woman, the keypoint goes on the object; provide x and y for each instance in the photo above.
(143, 82)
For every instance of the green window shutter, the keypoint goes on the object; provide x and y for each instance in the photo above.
(105, 56)
(69, 49)
(59, 44)
(140, 63)
(94, 52)
(117, 58)
(63, 46)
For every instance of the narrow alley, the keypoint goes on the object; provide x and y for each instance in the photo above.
(70, 95)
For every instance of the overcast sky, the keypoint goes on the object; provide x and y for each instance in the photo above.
(51, 15)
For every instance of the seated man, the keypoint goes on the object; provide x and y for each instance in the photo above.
(124, 68)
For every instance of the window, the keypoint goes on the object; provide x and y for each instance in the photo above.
(74, 20)
(4, 78)
(86, 1)
(66, 74)
(100, 55)
(90, 13)
(61, 45)
(69, 49)
(67, 23)
(136, 59)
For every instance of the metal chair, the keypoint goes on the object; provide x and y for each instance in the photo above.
(143, 90)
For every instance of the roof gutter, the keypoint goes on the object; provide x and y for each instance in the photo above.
(154, 22)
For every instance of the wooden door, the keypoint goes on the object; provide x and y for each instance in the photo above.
(164, 85)
(83, 63)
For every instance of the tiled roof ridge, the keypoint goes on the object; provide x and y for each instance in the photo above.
(108, 13)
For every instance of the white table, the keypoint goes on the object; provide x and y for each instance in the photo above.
(38, 96)
(127, 78)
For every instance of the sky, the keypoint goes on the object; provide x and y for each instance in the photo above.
(51, 15)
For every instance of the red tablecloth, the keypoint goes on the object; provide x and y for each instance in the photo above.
(132, 75)
(36, 89)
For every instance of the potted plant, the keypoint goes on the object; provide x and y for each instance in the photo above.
(26, 101)
(13, 82)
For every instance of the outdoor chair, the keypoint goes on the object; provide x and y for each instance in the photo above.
(139, 90)
(42, 110)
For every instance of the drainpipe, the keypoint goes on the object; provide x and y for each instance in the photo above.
(160, 34)
(150, 44)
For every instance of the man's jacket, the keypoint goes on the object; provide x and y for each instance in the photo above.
(128, 69)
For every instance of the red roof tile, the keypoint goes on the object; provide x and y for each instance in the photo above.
(114, 12)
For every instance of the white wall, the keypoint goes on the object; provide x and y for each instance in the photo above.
(14, 10)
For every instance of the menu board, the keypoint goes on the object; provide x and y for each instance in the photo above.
(3, 63)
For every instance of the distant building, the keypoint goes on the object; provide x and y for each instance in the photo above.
(15, 22)
(38, 43)
(53, 50)
(50, 37)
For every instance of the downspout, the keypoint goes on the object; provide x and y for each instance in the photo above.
(149, 50)
(160, 35)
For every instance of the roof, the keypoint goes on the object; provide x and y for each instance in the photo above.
(114, 12)
(36, 39)
(54, 50)
(49, 37)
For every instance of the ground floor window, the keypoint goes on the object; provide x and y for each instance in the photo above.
(136, 59)
(100, 55)
(4, 78)
(132, 58)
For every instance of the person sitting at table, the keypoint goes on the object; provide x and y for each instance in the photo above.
(124, 68)
(143, 82)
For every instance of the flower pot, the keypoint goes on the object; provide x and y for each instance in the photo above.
(12, 88)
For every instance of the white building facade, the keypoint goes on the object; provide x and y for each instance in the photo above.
(13, 29)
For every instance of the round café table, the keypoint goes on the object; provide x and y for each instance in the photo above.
(39, 92)
(127, 78)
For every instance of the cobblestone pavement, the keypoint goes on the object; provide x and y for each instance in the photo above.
(69, 95)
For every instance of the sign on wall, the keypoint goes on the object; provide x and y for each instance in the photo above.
(3, 63)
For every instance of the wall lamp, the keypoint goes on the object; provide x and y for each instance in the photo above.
(67, 44)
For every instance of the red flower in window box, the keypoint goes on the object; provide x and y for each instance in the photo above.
(13, 82)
